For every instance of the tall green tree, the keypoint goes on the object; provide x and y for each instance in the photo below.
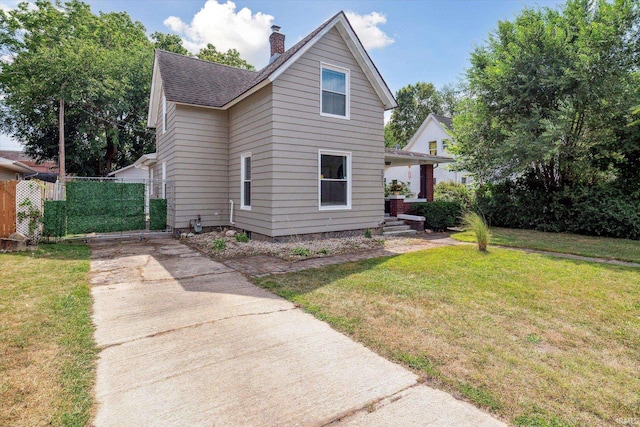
(551, 97)
(415, 103)
(100, 65)
(230, 57)
(169, 42)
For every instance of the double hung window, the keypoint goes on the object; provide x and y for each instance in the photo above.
(335, 180)
(334, 97)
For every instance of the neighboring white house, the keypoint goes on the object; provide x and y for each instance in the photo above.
(431, 138)
(130, 173)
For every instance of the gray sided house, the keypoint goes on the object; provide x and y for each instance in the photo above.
(295, 148)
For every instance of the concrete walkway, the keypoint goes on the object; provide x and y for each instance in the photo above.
(188, 341)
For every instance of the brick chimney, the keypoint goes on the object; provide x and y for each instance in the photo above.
(276, 39)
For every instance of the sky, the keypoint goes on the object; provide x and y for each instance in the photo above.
(409, 41)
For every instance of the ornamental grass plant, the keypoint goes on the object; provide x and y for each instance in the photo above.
(476, 223)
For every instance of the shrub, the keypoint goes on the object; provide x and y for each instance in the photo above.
(478, 225)
(300, 251)
(324, 251)
(592, 210)
(367, 233)
(242, 237)
(439, 215)
(219, 245)
(449, 191)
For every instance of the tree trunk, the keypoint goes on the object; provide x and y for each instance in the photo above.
(112, 148)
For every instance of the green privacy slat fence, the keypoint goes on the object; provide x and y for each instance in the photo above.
(55, 218)
(158, 214)
(101, 207)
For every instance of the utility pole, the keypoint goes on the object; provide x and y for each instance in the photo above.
(61, 165)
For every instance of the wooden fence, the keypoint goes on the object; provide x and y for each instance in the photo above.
(7, 208)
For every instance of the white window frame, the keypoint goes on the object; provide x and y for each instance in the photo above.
(347, 74)
(244, 156)
(429, 147)
(349, 175)
(164, 114)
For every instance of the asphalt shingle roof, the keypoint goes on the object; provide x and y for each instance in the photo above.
(193, 81)
(446, 121)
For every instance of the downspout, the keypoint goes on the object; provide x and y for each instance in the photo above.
(231, 213)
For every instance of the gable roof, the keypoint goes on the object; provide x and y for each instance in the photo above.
(446, 123)
(192, 81)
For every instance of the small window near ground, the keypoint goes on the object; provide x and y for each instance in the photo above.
(334, 97)
(433, 148)
(335, 188)
(245, 186)
(463, 180)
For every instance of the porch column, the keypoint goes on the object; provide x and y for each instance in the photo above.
(397, 205)
(429, 174)
(426, 182)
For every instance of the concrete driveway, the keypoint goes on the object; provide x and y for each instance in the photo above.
(186, 341)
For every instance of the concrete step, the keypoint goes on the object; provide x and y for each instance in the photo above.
(394, 223)
(399, 232)
(396, 227)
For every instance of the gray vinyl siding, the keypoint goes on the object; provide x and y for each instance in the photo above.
(165, 153)
(250, 129)
(299, 131)
(198, 165)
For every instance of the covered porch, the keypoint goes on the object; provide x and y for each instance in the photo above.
(395, 205)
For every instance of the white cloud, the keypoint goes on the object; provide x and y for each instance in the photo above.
(220, 25)
(366, 27)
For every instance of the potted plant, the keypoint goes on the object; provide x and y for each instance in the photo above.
(395, 188)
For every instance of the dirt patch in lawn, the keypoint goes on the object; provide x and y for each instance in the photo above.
(46, 337)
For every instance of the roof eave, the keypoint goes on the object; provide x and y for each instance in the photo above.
(355, 46)
(367, 65)
(16, 166)
(146, 160)
(403, 159)
(155, 94)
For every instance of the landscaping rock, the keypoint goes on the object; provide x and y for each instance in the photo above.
(230, 233)
(291, 251)
(18, 236)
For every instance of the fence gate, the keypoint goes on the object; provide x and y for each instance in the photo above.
(7, 208)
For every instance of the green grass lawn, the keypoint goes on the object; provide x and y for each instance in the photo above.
(591, 246)
(537, 340)
(47, 352)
